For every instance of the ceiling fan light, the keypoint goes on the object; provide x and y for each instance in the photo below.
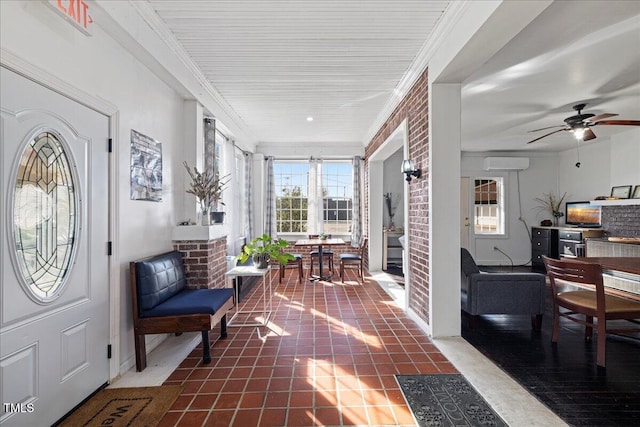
(579, 133)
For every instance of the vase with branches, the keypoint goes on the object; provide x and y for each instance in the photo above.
(207, 187)
(553, 204)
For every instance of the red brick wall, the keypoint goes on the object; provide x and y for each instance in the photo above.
(205, 262)
(415, 108)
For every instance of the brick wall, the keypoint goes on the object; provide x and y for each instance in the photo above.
(205, 262)
(621, 221)
(414, 107)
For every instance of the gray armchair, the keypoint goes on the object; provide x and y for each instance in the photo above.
(500, 293)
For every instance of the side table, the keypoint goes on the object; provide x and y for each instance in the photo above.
(267, 308)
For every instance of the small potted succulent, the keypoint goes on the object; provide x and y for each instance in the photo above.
(264, 249)
(207, 187)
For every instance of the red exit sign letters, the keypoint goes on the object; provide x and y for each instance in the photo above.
(76, 12)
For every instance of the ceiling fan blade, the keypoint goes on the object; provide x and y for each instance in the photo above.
(543, 136)
(548, 127)
(600, 117)
(588, 135)
(619, 122)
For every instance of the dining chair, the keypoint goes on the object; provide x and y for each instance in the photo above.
(354, 259)
(327, 254)
(589, 300)
(297, 262)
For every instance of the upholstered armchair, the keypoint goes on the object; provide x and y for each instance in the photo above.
(501, 293)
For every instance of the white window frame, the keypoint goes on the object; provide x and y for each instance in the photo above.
(501, 214)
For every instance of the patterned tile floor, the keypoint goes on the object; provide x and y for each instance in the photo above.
(328, 357)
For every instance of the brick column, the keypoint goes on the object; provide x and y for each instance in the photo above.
(205, 262)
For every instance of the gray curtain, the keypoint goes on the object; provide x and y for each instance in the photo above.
(270, 226)
(356, 221)
(248, 194)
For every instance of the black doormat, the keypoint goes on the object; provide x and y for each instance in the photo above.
(446, 400)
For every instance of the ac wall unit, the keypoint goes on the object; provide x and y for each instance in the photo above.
(506, 163)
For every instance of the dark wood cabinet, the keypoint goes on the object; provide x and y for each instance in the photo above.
(556, 242)
(544, 241)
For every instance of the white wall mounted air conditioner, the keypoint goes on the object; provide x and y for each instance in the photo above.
(506, 163)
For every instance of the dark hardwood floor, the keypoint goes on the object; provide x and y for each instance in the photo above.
(564, 376)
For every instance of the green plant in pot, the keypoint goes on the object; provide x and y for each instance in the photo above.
(264, 249)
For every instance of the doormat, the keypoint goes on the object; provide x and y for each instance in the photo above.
(446, 400)
(115, 407)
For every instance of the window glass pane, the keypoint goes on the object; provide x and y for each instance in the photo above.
(337, 191)
(45, 217)
(291, 196)
(488, 206)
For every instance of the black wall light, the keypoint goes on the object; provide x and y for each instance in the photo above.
(409, 169)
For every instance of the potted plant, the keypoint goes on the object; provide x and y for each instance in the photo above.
(551, 203)
(207, 187)
(263, 249)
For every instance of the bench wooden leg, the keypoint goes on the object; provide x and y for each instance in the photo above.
(206, 349)
(223, 326)
(141, 352)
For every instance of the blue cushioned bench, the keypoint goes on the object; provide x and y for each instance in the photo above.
(162, 303)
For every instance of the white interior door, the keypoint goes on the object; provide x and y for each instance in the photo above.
(54, 308)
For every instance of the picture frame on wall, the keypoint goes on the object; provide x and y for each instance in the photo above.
(621, 192)
(636, 192)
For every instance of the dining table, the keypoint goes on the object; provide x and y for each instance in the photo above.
(320, 243)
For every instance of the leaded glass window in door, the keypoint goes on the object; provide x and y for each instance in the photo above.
(45, 217)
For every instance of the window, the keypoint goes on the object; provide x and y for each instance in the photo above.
(292, 196)
(488, 206)
(337, 191)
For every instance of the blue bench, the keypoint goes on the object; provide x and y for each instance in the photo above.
(162, 303)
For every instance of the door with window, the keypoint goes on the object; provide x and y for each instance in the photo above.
(54, 310)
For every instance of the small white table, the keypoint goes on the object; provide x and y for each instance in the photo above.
(267, 309)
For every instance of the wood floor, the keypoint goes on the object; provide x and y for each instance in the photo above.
(565, 377)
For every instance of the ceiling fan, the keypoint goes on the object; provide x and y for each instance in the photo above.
(580, 124)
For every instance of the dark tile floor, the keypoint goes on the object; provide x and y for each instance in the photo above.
(565, 377)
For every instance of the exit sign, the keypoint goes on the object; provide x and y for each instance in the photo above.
(75, 12)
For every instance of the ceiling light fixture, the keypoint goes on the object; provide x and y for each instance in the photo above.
(309, 119)
(579, 132)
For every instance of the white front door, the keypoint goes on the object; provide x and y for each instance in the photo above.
(54, 308)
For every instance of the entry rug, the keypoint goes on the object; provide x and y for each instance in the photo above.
(446, 400)
(115, 407)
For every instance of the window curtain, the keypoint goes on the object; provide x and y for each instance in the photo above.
(231, 206)
(248, 206)
(270, 226)
(315, 201)
(356, 220)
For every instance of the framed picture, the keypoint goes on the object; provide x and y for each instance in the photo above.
(621, 192)
(636, 192)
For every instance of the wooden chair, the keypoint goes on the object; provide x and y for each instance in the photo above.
(590, 300)
(327, 255)
(297, 262)
(354, 259)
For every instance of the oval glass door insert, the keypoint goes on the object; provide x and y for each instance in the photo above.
(45, 218)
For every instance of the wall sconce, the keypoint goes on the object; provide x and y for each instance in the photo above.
(409, 169)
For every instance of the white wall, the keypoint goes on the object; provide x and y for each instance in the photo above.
(101, 68)
(394, 183)
(603, 164)
(541, 177)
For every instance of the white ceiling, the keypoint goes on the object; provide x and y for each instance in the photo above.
(277, 62)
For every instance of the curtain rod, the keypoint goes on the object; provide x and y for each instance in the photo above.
(311, 158)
